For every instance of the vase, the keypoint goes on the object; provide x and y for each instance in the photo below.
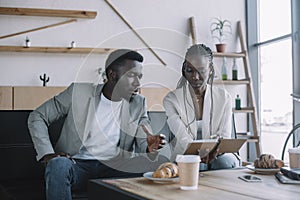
(221, 48)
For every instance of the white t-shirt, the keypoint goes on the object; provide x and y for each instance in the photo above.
(104, 135)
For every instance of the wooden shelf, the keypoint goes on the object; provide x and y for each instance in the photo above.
(249, 138)
(48, 12)
(244, 110)
(232, 82)
(230, 54)
(55, 49)
(252, 140)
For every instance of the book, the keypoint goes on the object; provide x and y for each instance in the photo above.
(205, 146)
(291, 173)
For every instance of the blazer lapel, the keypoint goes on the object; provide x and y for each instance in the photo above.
(89, 119)
(92, 108)
(128, 124)
(206, 113)
(124, 122)
(191, 113)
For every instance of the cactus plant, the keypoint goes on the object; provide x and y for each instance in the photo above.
(45, 79)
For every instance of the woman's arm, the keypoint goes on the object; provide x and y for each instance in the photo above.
(177, 126)
(225, 126)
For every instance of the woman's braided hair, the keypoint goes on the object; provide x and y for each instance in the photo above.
(201, 50)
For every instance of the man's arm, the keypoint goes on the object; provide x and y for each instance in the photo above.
(146, 141)
(40, 119)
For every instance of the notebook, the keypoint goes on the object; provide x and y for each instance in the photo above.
(285, 180)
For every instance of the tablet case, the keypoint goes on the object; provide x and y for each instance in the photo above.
(203, 147)
(231, 145)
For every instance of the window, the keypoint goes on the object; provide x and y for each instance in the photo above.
(271, 46)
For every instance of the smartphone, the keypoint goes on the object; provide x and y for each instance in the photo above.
(250, 178)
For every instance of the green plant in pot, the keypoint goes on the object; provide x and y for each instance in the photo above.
(220, 30)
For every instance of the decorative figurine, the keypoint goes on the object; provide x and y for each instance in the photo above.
(44, 79)
(27, 42)
(73, 44)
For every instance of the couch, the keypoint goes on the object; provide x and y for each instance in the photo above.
(21, 176)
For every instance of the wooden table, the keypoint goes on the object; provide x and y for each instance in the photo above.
(220, 184)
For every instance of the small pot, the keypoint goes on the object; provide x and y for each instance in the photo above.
(221, 48)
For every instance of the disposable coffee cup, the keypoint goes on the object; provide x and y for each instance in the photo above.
(188, 166)
(294, 157)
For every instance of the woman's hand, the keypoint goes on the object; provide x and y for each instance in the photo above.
(210, 157)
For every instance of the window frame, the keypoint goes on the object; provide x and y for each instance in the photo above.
(253, 53)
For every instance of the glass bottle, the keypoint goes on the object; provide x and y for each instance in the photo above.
(237, 102)
(234, 70)
(224, 69)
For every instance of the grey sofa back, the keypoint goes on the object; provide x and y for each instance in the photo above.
(20, 173)
(158, 120)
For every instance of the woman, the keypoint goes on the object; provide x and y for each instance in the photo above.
(199, 110)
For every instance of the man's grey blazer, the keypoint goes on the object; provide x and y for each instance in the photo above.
(78, 104)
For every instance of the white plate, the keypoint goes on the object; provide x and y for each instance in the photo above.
(148, 175)
(263, 170)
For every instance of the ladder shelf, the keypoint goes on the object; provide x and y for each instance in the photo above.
(250, 108)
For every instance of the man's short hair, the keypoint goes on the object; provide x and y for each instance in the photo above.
(120, 55)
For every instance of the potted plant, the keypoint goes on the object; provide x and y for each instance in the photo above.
(220, 29)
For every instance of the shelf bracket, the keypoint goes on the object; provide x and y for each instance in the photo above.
(39, 28)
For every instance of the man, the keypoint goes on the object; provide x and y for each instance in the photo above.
(104, 133)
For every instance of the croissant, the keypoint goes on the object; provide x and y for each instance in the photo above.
(268, 161)
(166, 170)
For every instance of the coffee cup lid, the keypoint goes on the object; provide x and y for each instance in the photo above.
(187, 158)
(294, 150)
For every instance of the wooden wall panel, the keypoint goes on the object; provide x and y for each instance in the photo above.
(29, 98)
(6, 98)
(154, 97)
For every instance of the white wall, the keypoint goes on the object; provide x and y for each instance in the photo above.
(162, 23)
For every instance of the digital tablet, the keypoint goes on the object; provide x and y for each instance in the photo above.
(230, 145)
(203, 147)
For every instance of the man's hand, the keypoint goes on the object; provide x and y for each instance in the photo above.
(210, 157)
(155, 142)
(48, 157)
